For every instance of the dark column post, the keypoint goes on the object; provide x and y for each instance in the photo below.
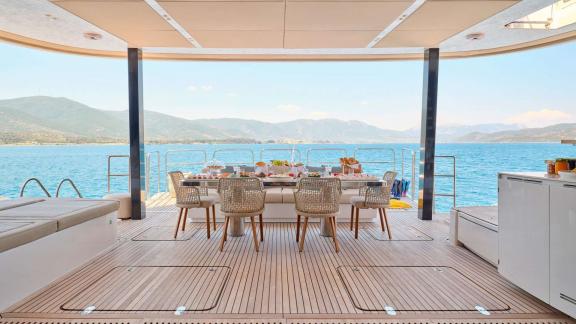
(428, 133)
(136, 119)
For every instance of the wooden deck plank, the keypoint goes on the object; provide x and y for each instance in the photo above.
(279, 281)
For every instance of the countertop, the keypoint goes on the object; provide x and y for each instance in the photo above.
(539, 176)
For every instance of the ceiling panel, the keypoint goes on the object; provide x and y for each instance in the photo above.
(131, 20)
(437, 20)
(239, 39)
(342, 15)
(329, 39)
(227, 15)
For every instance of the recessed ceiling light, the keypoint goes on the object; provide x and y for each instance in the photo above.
(49, 16)
(475, 36)
(92, 36)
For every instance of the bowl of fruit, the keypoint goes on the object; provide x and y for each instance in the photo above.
(279, 167)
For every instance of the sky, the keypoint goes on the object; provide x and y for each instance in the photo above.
(532, 88)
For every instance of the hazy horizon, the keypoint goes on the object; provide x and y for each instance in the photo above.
(530, 88)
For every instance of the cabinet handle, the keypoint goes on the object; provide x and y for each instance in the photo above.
(570, 186)
(514, 179)
(568, 299)
(533, 181)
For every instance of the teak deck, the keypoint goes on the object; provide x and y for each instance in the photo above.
(418, 275)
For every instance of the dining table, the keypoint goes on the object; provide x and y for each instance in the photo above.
(236, 225)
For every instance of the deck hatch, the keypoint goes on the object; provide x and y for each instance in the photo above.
(150, 288)
(399, 233)
(164, 233)
(373, 288)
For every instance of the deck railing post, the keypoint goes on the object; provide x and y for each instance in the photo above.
(428, 133)
(136, 120)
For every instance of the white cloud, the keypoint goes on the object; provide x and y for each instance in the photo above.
(206, 88)
(364, 102)
(541, 118)
(231, 94)
(289, 108)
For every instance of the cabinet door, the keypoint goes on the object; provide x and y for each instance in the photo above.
(563, 247)
(523, 232)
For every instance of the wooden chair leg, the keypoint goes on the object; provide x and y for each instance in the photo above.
(304, 230)
(184, 219)
(214, 216)
(208, 222)
(297, 228)
(381, 219)
(254, 234)
(224, 233)
(178, 223)
(261, 228)
(352, 217)
(357, 220)
(334, 229)
(386, 221)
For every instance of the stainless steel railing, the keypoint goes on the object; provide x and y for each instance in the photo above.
(403, 168)
(168, 164)
(342, 152)
(452, 194)
(148, 158)
(72, 184)
(251, 154)
(295, 153)
(37, 182)
(375, 149)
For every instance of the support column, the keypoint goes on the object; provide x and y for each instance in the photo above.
(136, 119)
(428, 134)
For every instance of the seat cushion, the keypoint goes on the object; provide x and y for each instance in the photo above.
(205, 202)
(274, 196)
(13, 203)
(360, 202)
(67, 212)
(14, 233)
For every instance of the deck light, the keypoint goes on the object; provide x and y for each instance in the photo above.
(88, 310)
(482, 310)
(475, 36)
(180, 310)
(390, 310)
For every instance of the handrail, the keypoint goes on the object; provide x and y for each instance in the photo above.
(342, 151)
(148, 158)
(413, 169)
(171, 152)
(299, 158)
(39, 184)
(236, 150)
(393, 161)
(109, 174)
(453, 176)
(73, 187)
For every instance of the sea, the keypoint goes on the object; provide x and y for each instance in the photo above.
(477, 165)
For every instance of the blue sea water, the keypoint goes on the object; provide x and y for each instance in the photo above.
(477, 164)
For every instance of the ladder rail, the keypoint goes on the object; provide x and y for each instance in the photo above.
(36, 181)
(453, 176)
(72, 184)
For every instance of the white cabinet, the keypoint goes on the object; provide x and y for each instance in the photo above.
(563, 247)
(524, 233)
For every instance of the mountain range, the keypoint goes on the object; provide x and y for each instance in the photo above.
(42, 119)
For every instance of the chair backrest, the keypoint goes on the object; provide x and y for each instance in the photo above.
(241, 195)
(188, 195)
(318, 195)
(379, 196)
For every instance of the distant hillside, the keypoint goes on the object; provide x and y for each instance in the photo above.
(43, 119)
(553, 133)
(59, 120)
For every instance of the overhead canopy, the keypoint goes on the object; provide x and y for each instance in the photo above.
(278, 29)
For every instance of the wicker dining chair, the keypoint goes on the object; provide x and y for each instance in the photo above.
(317, 198)
(373, 197)
(242, 197)
(192, 197)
